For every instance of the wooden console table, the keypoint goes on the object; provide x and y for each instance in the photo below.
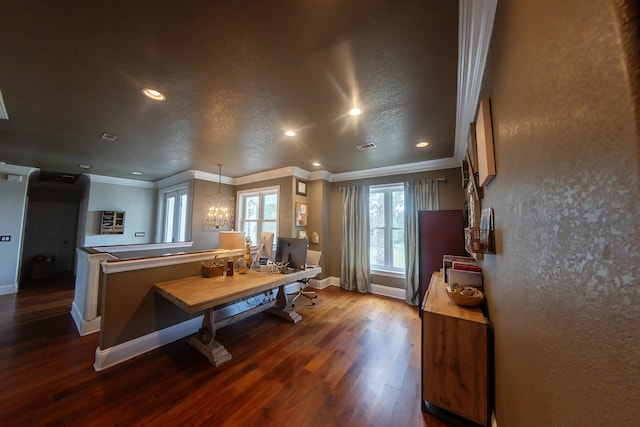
(194, 294)
(455, 358)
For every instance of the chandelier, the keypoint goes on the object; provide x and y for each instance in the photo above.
(218, 209)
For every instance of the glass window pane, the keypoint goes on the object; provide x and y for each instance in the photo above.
(270, 227)
(397, 208)
(169, 212)
(376, 246)
(376, 209)
(252, 209)
(251, 230)
(182, 224)
(397, 261)
(270, 207)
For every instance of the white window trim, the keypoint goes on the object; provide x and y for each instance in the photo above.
(377, 269)
(257, 192)
(160, 217)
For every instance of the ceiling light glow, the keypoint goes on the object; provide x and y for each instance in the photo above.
(422, 144)
(316, 164)
(84, 166)
(136, 173)
(290, 133)
(355, 111)
(153, 94)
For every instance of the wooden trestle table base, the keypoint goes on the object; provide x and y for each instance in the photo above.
(196, 293)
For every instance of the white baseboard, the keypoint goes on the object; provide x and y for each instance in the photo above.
(323, 283)
(130, 349)
(9, 289)
(494, 422)
(386, 291)
(84, 327)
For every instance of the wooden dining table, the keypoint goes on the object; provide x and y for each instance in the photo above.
(194, 294)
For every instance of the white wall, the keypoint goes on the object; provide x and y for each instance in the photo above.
(138, 203)
(12, 213)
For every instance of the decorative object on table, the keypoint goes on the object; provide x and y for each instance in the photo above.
(247, 252)
(467, 296)
(301, 187)
(218, 209)
(481, 240)
(301, 214)
(231, 240)
(314, 238)
(211, 268)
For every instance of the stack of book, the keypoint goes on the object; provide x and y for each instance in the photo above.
(463, 271)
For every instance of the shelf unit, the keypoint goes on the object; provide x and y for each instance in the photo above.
(112, 222)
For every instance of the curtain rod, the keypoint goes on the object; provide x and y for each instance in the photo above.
(439, 179)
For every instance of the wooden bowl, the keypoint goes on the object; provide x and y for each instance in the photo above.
(466, 300)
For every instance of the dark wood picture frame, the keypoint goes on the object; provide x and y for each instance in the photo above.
(301, 187)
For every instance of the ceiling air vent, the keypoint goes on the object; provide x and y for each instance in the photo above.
(363, 147)
(109, 136)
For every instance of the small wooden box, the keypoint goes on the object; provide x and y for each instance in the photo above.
(216, 270)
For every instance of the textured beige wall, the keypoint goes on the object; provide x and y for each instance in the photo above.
(452, 196)
(563, 288)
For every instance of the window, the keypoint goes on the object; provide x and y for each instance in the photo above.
(174, 209)
(386, 227)
(258, 212)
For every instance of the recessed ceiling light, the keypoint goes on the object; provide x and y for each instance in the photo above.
(355, 111)
(83, 166)
(153, 94)
(290, 133)
(422, 144)
(316, 164)
(136, 173)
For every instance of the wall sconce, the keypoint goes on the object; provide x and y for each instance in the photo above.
(218, 209)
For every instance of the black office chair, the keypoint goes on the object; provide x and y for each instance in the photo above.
(313, 259)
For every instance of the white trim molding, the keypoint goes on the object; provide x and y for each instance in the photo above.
(130, 349)
(9, 289)
(474, 36)
(117, 266)
(120, 181)
(84, 327)
(386, 291)
(428, 165)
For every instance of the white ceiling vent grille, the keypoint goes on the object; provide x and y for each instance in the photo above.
(109, 136)
(364, 147)
(3, 109)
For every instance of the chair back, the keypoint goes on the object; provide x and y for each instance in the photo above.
(313, 258)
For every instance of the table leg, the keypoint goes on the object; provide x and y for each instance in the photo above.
(282, 309)
(204, 341)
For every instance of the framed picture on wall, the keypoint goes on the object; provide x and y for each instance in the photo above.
(302, 234)
(301, 214)
(301, 187)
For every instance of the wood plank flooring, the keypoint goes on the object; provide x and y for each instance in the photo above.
(353, 360)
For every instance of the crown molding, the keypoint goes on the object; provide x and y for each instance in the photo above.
(16, 169)
(120, 181)
(429, 165)
(213, 177)
(474, 36)
(179, 178)
(272, 174)
(324, 175)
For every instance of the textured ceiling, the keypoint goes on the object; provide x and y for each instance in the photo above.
(236, 75)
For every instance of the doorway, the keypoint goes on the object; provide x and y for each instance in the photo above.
(51, 226)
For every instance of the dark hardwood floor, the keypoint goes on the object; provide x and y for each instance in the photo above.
(353, 360)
